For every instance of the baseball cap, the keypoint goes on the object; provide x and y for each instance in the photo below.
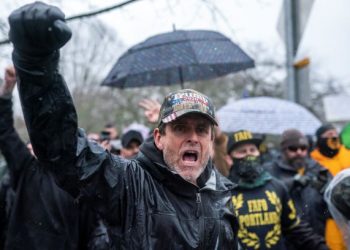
(129, 136)
(242, 137)
(184, 101)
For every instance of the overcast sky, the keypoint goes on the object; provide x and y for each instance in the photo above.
(326, 39)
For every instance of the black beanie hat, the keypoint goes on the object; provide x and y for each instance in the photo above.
(293, 137)
(323, 129)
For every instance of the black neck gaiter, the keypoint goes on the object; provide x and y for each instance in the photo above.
(247, 168)
(329, 147)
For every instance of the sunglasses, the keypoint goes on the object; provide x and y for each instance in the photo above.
(295, 148)
(333, 139)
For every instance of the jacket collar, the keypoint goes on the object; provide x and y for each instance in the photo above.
(151, 159)
(280, 162)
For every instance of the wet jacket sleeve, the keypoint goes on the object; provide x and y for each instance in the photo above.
(49, 114)
(12, 147)
(298, 232)
(81, 167)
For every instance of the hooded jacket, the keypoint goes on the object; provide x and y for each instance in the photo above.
(335, 164)
(42, 215)
(145, 205)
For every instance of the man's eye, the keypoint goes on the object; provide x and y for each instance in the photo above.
(202, 129)
(179, 128)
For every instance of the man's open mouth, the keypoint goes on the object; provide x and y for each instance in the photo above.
(190, 156)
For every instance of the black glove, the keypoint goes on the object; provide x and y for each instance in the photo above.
(301, 180)
(38, 29)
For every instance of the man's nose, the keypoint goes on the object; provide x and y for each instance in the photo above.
(300, 151)
(193, 136)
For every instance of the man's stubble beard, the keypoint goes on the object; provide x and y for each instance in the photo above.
(298, 162)
(170, 161)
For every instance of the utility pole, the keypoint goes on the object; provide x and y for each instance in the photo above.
(296, 13)
(289, 22)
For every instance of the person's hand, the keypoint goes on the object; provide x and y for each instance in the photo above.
(10, 81)
(38, 29)
(152, 109)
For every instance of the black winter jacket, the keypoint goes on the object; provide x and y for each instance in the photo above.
(308, 199)
(145, 205)
(42, 216)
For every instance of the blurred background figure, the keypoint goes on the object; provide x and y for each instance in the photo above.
(335, 157)
(220, 152)
(93, 136)
(144, 130)
(304, 178)
(130, 142)
(266, 213)
(116, 146)
(337, 196)
(110, 131)
(40, 215)
(329, 152)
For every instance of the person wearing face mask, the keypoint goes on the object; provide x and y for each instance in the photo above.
(335, 157)
(266, 214)
(329, 152)
(305, 179)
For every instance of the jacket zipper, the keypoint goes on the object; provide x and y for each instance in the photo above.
(200, 220)
(199, 203)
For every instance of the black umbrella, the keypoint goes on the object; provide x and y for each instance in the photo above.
(177, 57)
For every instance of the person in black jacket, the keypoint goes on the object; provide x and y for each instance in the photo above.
(266, 214)
(169, 197)
(42, 215)
(305, 179)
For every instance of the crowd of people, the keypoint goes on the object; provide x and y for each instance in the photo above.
(184, 185)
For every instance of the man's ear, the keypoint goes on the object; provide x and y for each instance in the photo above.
(157, 139)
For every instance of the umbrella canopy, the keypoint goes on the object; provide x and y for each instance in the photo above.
(177, 57)
(266, 115)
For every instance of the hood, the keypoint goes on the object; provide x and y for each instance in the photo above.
(151, 159)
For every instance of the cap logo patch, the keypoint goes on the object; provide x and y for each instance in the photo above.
(242, 136)
(184, 101)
